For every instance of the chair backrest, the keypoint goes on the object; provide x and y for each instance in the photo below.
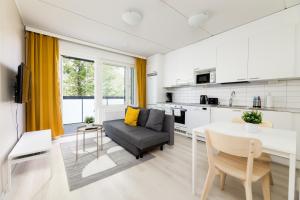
(233, 145)
(238, 120)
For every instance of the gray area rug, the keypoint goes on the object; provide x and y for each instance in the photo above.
(88, 169)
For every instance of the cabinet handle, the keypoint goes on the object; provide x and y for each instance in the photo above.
(236, 110)
(240, 79)
(254, 78)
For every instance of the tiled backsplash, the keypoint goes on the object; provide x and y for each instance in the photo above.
(285, 94)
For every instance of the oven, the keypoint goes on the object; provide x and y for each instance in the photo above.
(179, 115)
(179, 119)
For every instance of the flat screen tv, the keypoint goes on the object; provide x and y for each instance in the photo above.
(22, 84)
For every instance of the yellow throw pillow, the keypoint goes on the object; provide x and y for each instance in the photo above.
(131, 116)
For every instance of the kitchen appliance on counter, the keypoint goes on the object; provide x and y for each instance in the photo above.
(205, 77)
(169, 96)
(256, 102)
(269, 101)
(203, 99)
(213, 101)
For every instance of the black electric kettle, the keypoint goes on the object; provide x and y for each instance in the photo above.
(203, 99)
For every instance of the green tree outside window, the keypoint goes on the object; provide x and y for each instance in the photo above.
(78, 77)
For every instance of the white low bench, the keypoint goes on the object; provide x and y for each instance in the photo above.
(32, 145)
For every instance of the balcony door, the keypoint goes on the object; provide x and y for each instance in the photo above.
(78, 89)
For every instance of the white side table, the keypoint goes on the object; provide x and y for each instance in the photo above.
(32, 145)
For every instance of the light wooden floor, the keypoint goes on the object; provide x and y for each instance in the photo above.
(166, 177)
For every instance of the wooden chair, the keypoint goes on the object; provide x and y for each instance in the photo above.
(264, 156)
(237, 120)
(266, 124)
(236, 157)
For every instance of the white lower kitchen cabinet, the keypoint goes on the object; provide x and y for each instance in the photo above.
(196, 117)
(283, 120)
(225, 114)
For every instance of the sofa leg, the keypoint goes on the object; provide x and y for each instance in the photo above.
(162, 147)
(141, 155)
(137, 157)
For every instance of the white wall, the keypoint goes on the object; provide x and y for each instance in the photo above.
(99, 56)
(11, 55)
(154, 84)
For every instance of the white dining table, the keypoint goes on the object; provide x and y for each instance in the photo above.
(278, 142)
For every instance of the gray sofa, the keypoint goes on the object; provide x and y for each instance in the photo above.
(140, 139)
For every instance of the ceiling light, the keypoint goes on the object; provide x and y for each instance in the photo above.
(132, 18)
(197, 20)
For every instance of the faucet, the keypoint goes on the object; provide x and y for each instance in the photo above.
(231, 98)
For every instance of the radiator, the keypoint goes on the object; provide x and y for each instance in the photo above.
(113, 114)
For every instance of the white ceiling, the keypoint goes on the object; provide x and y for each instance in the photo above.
(164, 26)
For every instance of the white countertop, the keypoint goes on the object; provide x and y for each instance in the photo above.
(276, 109)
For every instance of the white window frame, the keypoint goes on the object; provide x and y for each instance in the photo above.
(128, 88)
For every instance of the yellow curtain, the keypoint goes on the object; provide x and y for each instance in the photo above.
(140, 65)
(43, 111)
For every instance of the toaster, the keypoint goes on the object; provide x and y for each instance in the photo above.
(213, 101)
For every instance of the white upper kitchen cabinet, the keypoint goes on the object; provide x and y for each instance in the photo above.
(232, 58)
(272, 46)
(170, 69)
(185, 70)
(272, 53)
(204, 55)
(178, 67)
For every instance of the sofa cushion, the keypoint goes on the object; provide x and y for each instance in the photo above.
(131, 117)
(156, 119)
(138, 136)
(143, 115)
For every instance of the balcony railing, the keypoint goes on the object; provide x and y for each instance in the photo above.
(76, 108)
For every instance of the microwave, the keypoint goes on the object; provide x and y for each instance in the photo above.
(208, 77)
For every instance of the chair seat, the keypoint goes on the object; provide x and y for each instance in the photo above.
(237, 166)
(265, 157)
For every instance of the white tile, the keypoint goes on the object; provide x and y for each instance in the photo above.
(293, 82)
(284, 93)
(293, 99)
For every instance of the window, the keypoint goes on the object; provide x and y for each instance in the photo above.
(78, 89)
(117, 84)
